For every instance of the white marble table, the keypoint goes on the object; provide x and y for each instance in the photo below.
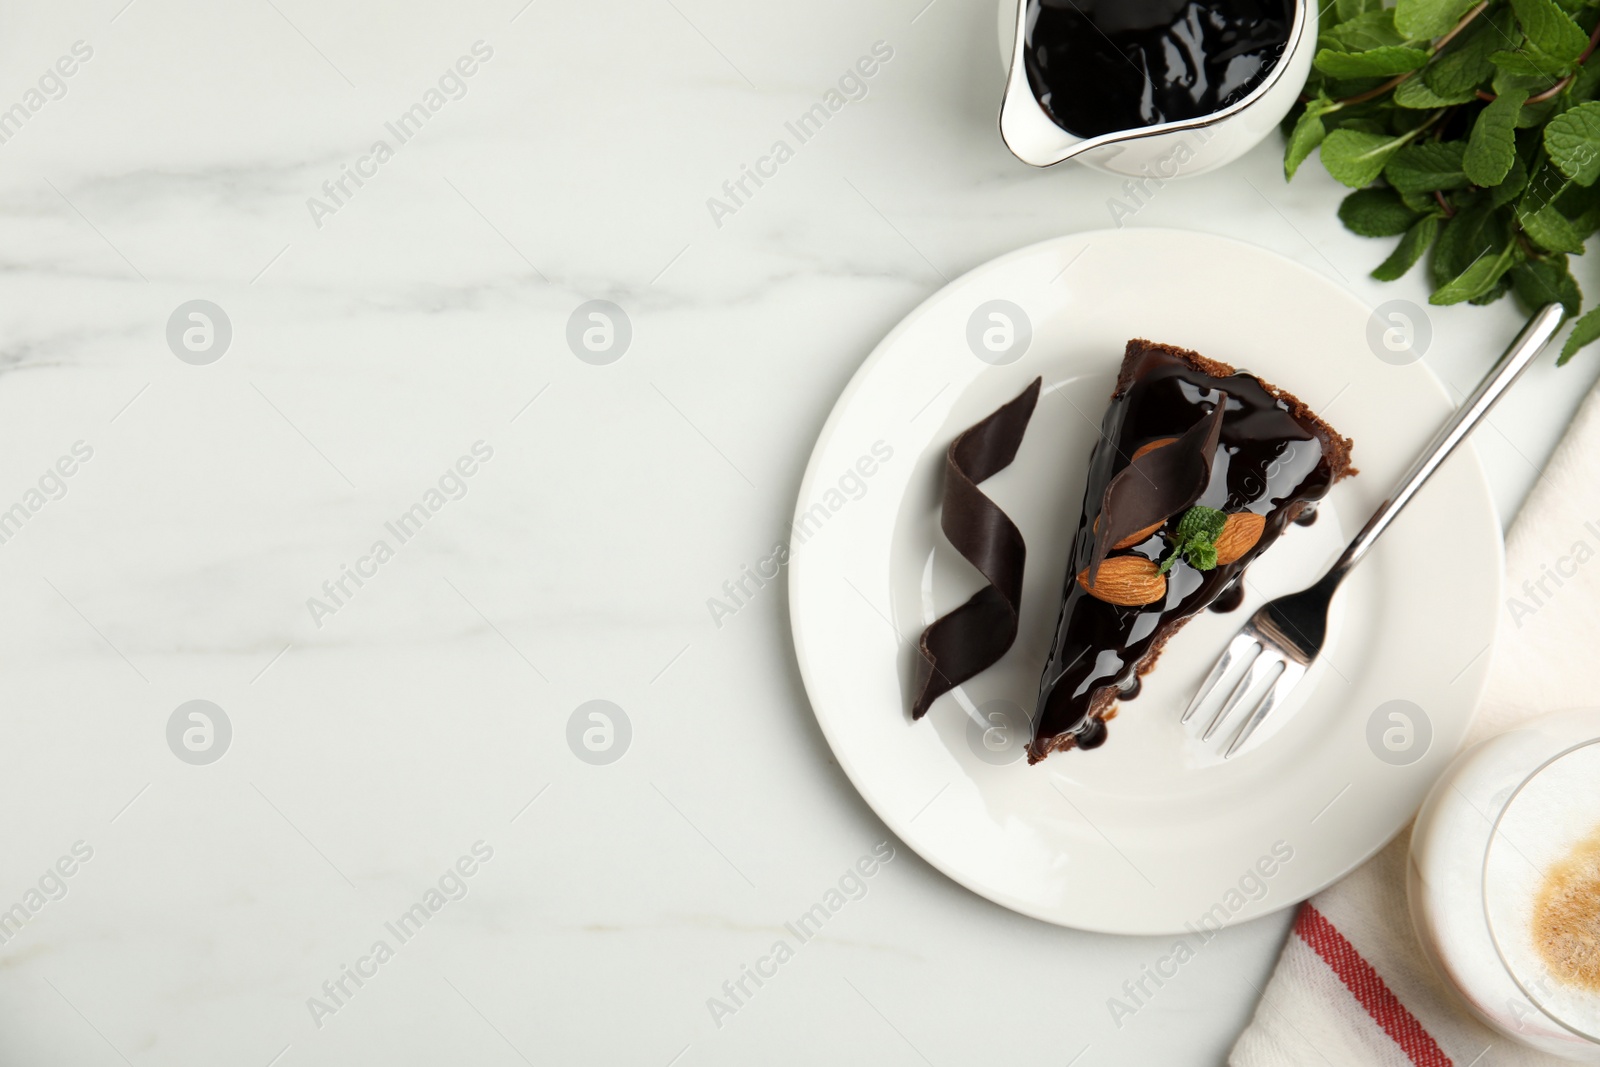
(380, 335)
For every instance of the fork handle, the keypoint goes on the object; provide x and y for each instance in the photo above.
(1529, 343)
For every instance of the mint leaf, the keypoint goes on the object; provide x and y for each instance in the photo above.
(1374, 63)
(1373, 28)
(1201, 523)
(1196, 539)
(1447, 150)
(1478, 279)
(1551, 230)
(1585, 80)
(1585, 331)
(1422, 168)
(1495, 292)
(1587, 218)
(1421, 203)
(1465, 65)
(1422, 20)
(1492, 147)
(1474, 232)
(1531, 63)
(1550, 29)
(1349, 9)
(1573, 140)
(1580, 203)
(1546, 186)
(1201, 555)
(1416, 93)
(1511, 186)
(1356, 158)
(1409, 250)
(1540, 281)
(1307, 135)
(1535, 113)
(1376, 213)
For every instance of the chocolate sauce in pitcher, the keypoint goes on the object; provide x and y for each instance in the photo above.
(1101, 66)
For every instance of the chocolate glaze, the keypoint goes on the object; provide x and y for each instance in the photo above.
(1270, 459)
(1100, 66)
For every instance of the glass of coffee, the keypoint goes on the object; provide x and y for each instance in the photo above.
(1504, 882)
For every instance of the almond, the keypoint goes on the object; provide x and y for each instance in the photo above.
(1152, 446)
(1239, 535)
(1126, 581)
(1133, 538)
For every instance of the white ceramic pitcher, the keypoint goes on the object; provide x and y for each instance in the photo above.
(1163, 151)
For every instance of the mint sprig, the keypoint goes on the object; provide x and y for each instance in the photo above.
(1470, 131)
(1196, 539)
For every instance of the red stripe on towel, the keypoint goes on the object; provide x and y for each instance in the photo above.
(1369, 988)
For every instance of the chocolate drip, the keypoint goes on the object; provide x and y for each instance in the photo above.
(1229, 599)
(975, 635)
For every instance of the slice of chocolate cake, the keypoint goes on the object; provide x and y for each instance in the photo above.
(1198, 469)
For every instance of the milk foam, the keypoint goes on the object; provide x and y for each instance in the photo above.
(1541, 884)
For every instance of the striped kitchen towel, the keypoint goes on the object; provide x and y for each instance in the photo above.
(1352, 986)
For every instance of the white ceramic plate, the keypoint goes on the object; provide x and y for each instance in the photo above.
(1150, 833)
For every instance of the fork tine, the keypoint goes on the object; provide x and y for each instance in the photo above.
(1239, 691)
(1236, 646)
(1287, 679)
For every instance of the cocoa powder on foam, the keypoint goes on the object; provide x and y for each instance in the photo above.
(1566, 920)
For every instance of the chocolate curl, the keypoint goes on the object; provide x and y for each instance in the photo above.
(1157, 485)
(975, 635)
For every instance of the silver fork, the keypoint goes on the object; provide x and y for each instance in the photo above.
(1285, 635)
